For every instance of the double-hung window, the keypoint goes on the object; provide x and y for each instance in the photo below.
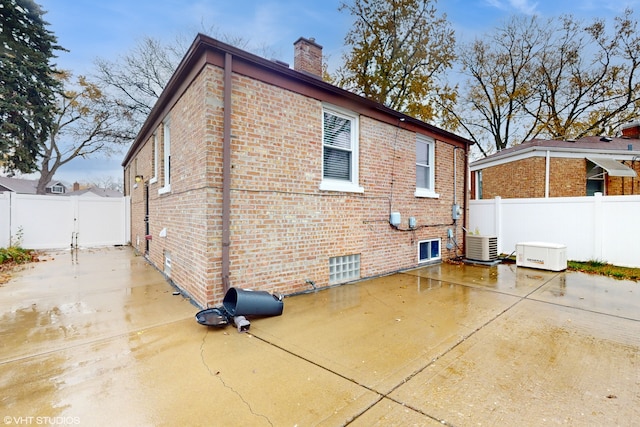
(339, 150)
(156, 150)
(425, 167)
(166, 156)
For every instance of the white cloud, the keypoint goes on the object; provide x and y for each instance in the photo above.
(519, 6)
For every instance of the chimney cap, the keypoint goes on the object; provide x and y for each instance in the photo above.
(310, 40)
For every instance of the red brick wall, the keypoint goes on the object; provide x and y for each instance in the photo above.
(625, 186)
(567, 178)
(284, 228)
(519, 179)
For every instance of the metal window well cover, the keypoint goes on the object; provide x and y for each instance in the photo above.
(215, 316)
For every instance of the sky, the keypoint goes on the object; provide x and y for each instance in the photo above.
(91, 29)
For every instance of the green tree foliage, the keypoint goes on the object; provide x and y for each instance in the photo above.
(400, 50)
(27, 83)
(557, 79)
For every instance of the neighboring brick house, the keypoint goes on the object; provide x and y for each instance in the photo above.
(254, 175)
(550, 168)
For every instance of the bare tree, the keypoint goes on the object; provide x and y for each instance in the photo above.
(138, 77)
(107, 182)
(499, 69)
(557, 79)
(581, 95)
(87, 122)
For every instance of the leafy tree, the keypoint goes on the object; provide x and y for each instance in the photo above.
(87, 122)
(400, 50)
(558, 79)
(27, 83)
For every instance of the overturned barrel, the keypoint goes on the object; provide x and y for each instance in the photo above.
(246, 302)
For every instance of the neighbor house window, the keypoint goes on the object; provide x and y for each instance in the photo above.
(425, 167)
(595, 179)
(339, 151)
(429, 250)
(479, 185)
(344, 268)
(57, 189)
(155, 159)
(166, 156)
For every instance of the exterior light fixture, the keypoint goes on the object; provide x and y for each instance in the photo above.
(139, 178)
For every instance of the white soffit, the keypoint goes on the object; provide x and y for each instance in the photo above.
(613, 167)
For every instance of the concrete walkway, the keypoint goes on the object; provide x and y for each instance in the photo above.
(99, 339)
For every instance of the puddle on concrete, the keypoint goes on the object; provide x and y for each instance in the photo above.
(506, 278)
(594, 293)
(102, 293)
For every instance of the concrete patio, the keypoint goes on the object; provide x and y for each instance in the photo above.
(98, 338)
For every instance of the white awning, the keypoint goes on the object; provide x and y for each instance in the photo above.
(613, 167)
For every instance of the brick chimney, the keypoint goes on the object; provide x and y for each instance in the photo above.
(631, 130)
(307, 56)
(76, 186)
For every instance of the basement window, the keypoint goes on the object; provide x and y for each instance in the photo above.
(429, 250)
(344, 268)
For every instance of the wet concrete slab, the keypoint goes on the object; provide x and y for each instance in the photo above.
(68, 299)
(538, 364)
(592, 293)
(383, 331)
(100, 339)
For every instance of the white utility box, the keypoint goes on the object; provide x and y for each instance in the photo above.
(545, 256)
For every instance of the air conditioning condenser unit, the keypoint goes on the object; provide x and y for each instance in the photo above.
(481, 248)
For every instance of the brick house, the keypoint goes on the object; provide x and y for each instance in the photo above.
(30, 186)
(250, 174)
(551, 168)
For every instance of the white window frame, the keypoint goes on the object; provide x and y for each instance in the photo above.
(431, 259)
(166, 154)
(57, 189)
(156, 146)
(330, 184)
(431, 145)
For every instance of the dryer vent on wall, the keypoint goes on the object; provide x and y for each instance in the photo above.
(481, 248)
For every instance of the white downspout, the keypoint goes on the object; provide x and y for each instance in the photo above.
(546, 175)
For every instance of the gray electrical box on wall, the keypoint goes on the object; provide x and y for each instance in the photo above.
(456, 211)
(394, 219)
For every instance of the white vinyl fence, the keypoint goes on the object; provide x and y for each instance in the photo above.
(56, 222)
(604, 228)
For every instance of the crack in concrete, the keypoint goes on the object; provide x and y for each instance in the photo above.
(218, 375)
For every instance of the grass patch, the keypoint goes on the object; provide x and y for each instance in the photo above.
(15, 254)
(597, 267)
(11, 257)
(604, 269)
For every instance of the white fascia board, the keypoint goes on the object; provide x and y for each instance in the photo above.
(557, 152)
